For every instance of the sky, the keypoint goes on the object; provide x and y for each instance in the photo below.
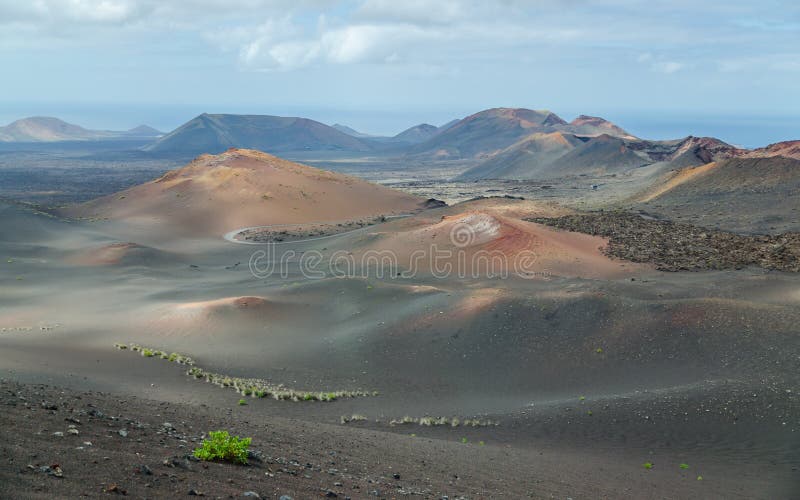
(661, 69)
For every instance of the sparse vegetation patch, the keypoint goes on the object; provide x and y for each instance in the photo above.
(250, 387)
(428, 421)
(220, 445)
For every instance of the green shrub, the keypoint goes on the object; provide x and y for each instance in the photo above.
(242, 402)
(223, 446)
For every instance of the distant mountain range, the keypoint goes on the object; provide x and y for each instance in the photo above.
(559, 154)
(499, 143)
(214, 134)
(48, 129)
(413, 135)
(349, 131)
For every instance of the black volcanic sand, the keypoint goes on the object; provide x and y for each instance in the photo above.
(601, 376)
(143, 448)
(675, 246)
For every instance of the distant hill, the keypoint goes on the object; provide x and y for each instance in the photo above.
(217, 133)
(760, 194)
(449, 124)
(493, 131)
(526, 159)
(486, 133)
(787, 149)
(215, 194)
(599, 155)
(416, 134)
(49, 129)
(594, 125)
(560, 154)
(349, 131)
(693, 151)
(143, 131)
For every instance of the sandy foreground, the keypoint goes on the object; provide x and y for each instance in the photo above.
(142, 448)
(587, 367)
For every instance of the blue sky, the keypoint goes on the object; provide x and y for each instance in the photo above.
(661, 69)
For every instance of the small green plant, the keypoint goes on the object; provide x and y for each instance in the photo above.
(647, 465)
(481, 443)
(222, 446)
(684, 466)
(599, 350)
(464, 440)
(148, 353)
(699, 478)
(242, 402)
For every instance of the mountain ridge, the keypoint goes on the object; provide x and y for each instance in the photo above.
(52, 129)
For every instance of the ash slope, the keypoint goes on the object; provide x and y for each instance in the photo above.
(751, 195)
(636, 367)
(241, 188)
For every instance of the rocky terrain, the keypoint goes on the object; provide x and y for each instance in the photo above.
(59, 442)
(675, 246)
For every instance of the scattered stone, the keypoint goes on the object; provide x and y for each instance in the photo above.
(251, 494)
(73, 431)
(58, 434)
(145, 470)
(123, 433)
(195, 493)
(52, 470)
(116, 489)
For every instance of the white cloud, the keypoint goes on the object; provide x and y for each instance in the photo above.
(667, 67)
(44, 12)
(761, 63)
(287, 35)
(285, 49)
(420, 12)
